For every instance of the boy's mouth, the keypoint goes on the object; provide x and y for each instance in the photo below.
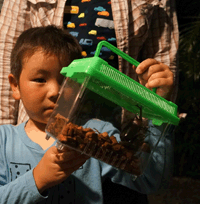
(50, 107)
(48, 111)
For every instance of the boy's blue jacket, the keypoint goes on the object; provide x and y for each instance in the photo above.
(19, 155)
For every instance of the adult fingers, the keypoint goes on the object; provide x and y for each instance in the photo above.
(161, 82)
(156, 68)
(144, 65)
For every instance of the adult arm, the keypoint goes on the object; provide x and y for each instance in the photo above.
(147, 29)
(17, 16)
(162, 39)
(14, 19)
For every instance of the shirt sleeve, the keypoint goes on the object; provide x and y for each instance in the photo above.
(21, 190)
(159, 163)
(151, 31)
(14, 19)
(162, 38)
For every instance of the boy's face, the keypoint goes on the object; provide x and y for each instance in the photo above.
(39, 84)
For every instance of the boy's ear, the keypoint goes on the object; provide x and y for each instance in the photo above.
(14, 86)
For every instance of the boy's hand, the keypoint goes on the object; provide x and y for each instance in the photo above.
(154, 74)
(55, 166)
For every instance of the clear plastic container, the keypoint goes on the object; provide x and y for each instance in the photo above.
(67, 126)
(68, 122)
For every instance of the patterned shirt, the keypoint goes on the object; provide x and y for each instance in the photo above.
(90, 22)
(144, 29)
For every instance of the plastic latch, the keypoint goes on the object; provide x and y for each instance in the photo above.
(157, 122)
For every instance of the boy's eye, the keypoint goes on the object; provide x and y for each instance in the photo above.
(40, 80)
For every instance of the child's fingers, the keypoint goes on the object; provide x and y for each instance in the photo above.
(79, 161)
(65, 157)
(70, 156)
(59, 156)
(73, 168)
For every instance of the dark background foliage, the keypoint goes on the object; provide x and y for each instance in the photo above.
(187, 134)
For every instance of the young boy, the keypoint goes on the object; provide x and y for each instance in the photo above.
(32, 169)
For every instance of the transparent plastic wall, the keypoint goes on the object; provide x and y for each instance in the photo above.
(70, 123)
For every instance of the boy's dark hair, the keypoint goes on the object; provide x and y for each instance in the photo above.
(51, 39)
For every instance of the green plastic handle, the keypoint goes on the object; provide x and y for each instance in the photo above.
(118, 52)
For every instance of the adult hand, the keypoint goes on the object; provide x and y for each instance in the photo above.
(154, 74)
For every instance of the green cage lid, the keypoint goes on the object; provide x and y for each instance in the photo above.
(115, 86)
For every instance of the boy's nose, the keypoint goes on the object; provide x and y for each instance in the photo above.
(53, 92)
